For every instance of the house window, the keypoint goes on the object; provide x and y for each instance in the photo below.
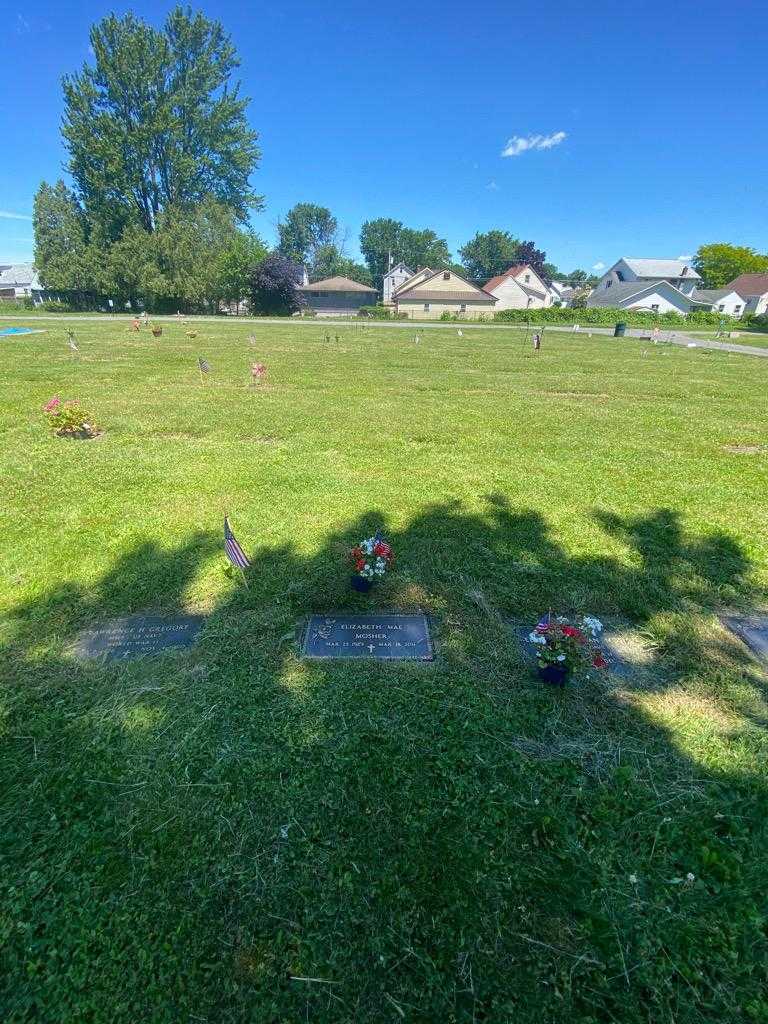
(446, 276)
(527, 278)
(463, 307)
(619, 275)
(608, 283)
(737, 309)
(721, 307)
(426, 307)
(655, 307)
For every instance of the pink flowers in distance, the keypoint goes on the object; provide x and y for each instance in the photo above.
(258, 370)
(53, 404)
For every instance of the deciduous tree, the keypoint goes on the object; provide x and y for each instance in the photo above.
(719, 263)
(306, 229)
(274, 286)
(489, 253)
(157, 122)
(64, 257)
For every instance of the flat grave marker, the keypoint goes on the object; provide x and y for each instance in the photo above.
(752, 630)
(136, 636)
(377, 637)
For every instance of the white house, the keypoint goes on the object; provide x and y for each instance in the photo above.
(652, 296)
(628, 270)
(721, 300)
(754, 288)
(519, 288)
(414, 279)
(20, 281)
(394, 278)
(557, 290)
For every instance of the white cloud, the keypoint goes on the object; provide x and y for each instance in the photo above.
(688, 257)
(522, 143)
(22, 25)
(7, 215)
(598, 266)
(492, 186)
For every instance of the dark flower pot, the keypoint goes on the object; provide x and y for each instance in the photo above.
(555, 675)
(361, 584)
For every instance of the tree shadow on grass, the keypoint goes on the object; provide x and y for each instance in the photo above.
(431, 842)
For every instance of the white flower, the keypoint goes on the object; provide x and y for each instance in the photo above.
(561, 657)
(690, 878)
(284, 831)
(633, 879)
(593, 624)
(537, 638)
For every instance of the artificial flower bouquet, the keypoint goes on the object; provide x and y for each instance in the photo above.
(564, 646)
(69, 419)
(371, 559)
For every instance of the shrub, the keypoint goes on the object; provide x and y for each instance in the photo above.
(375, 312)
(69, 419)
(57, 306)
(607, 316)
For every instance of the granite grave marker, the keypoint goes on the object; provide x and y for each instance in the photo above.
(136, 636)
(379, 636)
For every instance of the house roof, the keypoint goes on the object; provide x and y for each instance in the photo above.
(713, 294)
(399, 266)
(515, 272)
(19, 274)
(426, 296)
(661, 268)
(411, 282)
(749, 284)
(336, 284)
(624, 290)
(471, 294)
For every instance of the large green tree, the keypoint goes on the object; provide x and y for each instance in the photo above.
(237, 260)
(157, 122)
(489, 253)
(306, 229)
(719, 263)
(64, 257)
(384, 239)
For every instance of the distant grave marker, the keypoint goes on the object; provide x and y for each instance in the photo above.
(136, 636)
(387, 637)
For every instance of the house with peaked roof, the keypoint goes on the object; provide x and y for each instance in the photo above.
(20, 281)
(337, 296)
(421, 275)
(754, 289)
(394, 278)
(442, 291)
(652, 296)
(721, 300)
(629, 270)
(519, 288)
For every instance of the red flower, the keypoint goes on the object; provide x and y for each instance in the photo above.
(50, 406)
(599, 661)
(571, 631)
(357, 552)
(359, 565)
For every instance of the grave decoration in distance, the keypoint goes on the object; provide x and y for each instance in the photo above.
(136, 636)
(752, 630)
(564, 647)
(378, 636)
(69, 419)
(258, 372)
(371, 559)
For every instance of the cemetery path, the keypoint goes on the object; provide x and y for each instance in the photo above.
(682, 340)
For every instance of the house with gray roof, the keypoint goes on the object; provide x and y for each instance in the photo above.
(721, 300)
(651, 296)
(337, 296)
(20, 281)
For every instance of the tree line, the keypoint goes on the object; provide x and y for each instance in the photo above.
(161, 156)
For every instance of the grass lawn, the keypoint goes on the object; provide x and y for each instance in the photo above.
(757, 339)
(234, 834)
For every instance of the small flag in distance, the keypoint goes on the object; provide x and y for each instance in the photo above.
(235, 553)
(258, 370)
(203, 364)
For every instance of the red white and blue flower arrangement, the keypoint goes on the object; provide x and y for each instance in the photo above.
(371, 558)
(564, 646)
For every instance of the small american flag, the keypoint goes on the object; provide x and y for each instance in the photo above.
(235, 553)
(204, 365)
(71, 341)
(460, 333)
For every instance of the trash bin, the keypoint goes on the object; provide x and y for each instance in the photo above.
(619, 330)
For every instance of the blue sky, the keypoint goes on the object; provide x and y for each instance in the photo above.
(651, 121)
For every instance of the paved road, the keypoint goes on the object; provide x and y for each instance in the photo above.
(673, 338)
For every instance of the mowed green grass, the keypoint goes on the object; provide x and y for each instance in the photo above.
(235, 834)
